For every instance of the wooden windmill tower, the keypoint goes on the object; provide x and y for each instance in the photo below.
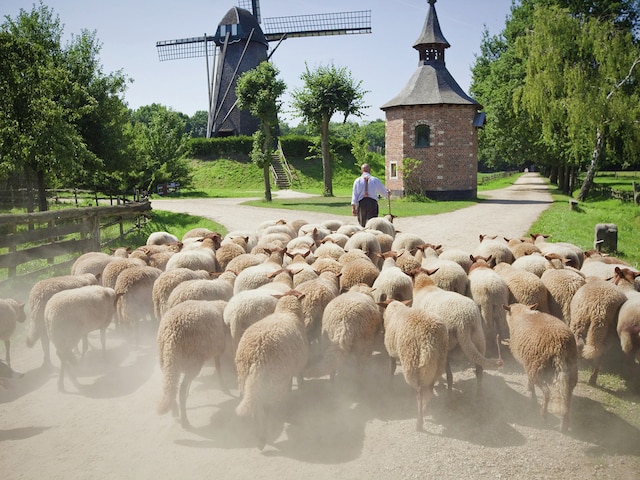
(240, 44)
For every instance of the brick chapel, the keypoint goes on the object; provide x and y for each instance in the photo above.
(433, 121)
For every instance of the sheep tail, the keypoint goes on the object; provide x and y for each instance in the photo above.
(171, 377)
(472, 353)
(627, 336)
(249, 403)
(33, 334)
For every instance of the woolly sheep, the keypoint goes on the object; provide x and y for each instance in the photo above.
(461, 316)
(392, 282)
(134, 290)
(561, 285)
(332, 225)
(220, 288)
(497, 249)
(11, 312)
(382, 224)
(270, 353)
(368, 243)
(245, 308)
(317, 295)
(490, 292)
(569, 251)
(161, 238)
(329, 249)
(420, 342)
(546, 348)
(71, 314)
(407, 241)
(351, 322)
(524, 287)
(198, 232)
(167, 281)
(448, 275)
(252, 238)
(252, 277)
(461, 257)
(349, 229)
(628, 326)
(406, 261)
(39, 295)
(594, 314)
(229, 251)
(358, 271)
(535, 263)
(200, 259)
(338, 238)
(91, 262)
(211, 241)
(189, 334)
(521, 247)
(324, 264)
(245, 260)
(114, 268)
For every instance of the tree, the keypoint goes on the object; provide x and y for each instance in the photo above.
(326, 91)
(259, 90)
(580, 85)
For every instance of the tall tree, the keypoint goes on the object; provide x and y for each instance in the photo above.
(326, 91)
(581, 85)
(259, 91)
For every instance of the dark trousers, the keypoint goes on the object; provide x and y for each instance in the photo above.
(367, 208)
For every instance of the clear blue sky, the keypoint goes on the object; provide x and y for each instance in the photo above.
(383, 60)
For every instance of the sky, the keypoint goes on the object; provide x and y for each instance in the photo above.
(383, 61)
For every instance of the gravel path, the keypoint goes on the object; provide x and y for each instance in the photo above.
(107, 427)
(508, 212)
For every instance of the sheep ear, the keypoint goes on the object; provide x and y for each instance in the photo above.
(408, 302)
(507, 307)
(533, 306)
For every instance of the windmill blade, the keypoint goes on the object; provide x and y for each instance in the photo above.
(253, 6)
(186, 48)
(321, 24)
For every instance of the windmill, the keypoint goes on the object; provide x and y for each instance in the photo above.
(240, 44)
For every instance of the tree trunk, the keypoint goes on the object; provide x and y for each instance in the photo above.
(326, 157)
(42, 191)
(591, 172)
(553, 176)
(266, 148)
(560, 181)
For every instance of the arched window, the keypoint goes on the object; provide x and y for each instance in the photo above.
(422, 136)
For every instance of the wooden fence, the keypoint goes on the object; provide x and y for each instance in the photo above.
(29, 240)
(623, 195)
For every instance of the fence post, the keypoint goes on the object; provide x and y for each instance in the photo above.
(636, 193)
(95, 232)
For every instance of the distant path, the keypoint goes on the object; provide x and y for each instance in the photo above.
(508, 212)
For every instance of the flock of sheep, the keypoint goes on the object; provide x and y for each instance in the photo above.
(298, 300)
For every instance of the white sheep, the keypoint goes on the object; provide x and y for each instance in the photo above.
(420, 342)
(461, 316)
(167, 281)
(134, 290)
(161, 238)
(490, 292)
(382, 224)
(189, 334)
(535, 263)
(458, 255)
(71, 314)
(270, 353)
(255, 276)
(572, 253)
(524, 287)
(494, 248)
(317, 295)
(198, 259)
(338, 238)
(197, 232)
(628, 326)
(407, 241)
(230, 250)
(246, 308)
(11, 312)
(220, 288)
(562, 284)
(522, 246)
(392, 282)
(40, 294)
(349, 229)
(368, 243)
(449, 275)
(359, 271)
(594, 315)
(114, 268)
(546, 348)
(91, 262)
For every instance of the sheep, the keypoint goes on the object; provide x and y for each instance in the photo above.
(229, 251)
(382, 224)
(40, 294)
(245, 308)
(594, 313)
(316, 232)
(220, 288)
(253, 277)
(351, 323)
(197, 232)
(11, 312)
(495, 248)
(332, 225)
(546, 348)
(535, 263)
(91, 262)
(270, 353)
(245, 260)
(134, 290)
(461, 316)
(114, 268)
(189, 334)
(461, 257)
(71, 314)
(628, 326)
(211, 241)
(338, 238)
(167, 281)
(349, 229)
(448, 275)
(329, 249)
(368, 243)
(325, 264)
(490, 292)
(420, 342)
(199, 259)
(7, 374)
(407, 262)
(524, 287)
(161, 238)
(569, 251)
(358, 271)
(407, 241)
(251, 238)
(561, 285)
(392, 282)
(317, 295)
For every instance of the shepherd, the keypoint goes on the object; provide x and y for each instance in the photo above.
(364, 198)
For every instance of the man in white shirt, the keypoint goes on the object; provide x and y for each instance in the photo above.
(364, 198)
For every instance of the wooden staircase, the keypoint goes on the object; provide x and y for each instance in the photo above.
(279, 173)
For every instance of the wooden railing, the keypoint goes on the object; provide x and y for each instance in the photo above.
(28, 240)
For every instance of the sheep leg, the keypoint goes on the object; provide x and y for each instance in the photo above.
(260, 423)
(44, 340)
(221, 382)
(545, 400)
(103, 341)
(532, 389)
(7, 351)
(420, 420)
(479, 371)
(393, 368)
(184, 393)
(594, 373)
(449, 375)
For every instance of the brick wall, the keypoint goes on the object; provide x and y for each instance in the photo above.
(449, 166)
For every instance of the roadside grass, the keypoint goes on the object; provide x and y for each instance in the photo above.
(617, 180)
(578, 226)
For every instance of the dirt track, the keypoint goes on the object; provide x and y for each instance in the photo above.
(108, 429)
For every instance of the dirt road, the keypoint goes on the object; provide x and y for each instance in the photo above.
(107, 428)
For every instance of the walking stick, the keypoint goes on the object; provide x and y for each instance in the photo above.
(389, 202)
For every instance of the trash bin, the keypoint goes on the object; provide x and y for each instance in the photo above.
(606, 237)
